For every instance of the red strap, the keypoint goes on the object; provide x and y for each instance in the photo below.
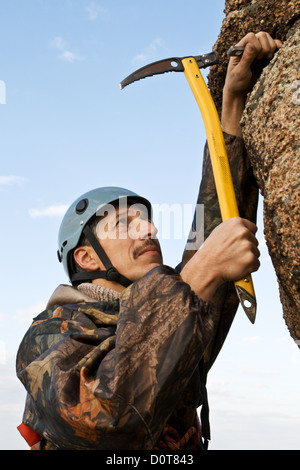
(30, 436)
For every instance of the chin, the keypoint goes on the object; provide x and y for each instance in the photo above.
(151, 266)
(144, 271)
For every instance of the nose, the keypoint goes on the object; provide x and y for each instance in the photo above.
(148, 230)
(145, 230)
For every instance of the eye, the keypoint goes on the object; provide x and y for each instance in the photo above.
(143, 215)
(122, 222)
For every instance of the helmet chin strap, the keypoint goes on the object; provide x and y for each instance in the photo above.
(111, 274)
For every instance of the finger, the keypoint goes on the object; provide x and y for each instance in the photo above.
(249, 225)
(268, 45)
(254, 243)
(252, 49)
(257, 46)
(253, 240)
(274, 43)
(254, 255)
(257, 252)
(255, 266)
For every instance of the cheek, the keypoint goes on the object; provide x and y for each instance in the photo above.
(118, 252)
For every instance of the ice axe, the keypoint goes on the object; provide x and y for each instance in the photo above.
(191, 65)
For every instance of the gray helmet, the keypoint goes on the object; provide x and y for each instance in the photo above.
(74, 224)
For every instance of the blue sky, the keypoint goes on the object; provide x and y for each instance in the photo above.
(67, 128)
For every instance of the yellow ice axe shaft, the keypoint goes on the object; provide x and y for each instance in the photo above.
(221, 168)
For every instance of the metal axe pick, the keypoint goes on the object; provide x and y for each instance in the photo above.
(191, 66)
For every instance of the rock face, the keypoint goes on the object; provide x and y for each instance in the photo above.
(276, 17)
(271, 131)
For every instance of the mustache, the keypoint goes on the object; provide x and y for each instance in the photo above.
(148, 242)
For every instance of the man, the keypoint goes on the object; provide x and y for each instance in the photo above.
(120, 360)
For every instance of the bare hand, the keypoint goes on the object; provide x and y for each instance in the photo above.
(240, 77)
(230, 253)
(242, 72)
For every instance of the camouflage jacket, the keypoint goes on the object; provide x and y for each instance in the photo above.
(126, 373)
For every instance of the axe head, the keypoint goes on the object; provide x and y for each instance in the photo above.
(173, 64)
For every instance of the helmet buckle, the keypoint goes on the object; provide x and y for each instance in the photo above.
(112, 274)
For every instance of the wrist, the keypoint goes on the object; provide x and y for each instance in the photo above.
(232, 111)
(204, 282)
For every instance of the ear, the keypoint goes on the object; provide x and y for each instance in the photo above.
(87, 258)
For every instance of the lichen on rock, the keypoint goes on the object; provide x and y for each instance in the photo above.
(270, 126)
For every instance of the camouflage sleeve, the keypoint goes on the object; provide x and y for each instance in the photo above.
(91, 387)
(225, 302)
